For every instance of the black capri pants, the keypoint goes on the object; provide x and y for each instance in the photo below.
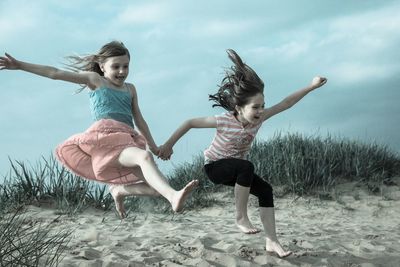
(240, 171)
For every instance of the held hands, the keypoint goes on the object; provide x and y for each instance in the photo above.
(155, 150)
(8, 63)
(165, 152)
(318, 82)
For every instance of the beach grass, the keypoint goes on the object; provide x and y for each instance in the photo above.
(293, 163)
(306, 164)
(25, 242)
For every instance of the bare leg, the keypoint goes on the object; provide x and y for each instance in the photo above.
(119, 192)
(134, 157)
(241, 200)
(272, 244)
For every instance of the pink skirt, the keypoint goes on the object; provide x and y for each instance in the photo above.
(94, 154)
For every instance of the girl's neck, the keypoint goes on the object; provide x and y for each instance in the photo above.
(240, 119)
(109, 84)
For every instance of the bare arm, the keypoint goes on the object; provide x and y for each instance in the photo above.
(140, 122)
(204, 122)
(292, 99)
(91, 79)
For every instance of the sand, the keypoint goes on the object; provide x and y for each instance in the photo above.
(355, 228)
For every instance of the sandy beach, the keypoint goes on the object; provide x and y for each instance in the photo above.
(355, 228)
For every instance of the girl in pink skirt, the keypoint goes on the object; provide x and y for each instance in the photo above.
(111, 151)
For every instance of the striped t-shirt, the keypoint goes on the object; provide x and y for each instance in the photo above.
(231, 140)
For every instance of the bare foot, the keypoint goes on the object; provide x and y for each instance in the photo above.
(275, 247)
(246, 227)
(181, 196)
(118, 200)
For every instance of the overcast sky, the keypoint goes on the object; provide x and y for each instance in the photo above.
(178, 58)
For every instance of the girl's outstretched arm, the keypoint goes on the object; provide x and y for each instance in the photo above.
(292, 99)
(140, 122)
(204, 122)
(91, 79)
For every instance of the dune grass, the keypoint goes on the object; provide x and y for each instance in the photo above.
(47, 183)
(24, 243)
(298, 163)
(304, 164)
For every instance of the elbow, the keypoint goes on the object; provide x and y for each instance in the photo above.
(189, 124)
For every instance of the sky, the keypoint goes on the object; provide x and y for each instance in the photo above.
(178, 57)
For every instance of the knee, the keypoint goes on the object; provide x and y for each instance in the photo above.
(248, 167)
(266, 199)
(268, 188)
(245, 174)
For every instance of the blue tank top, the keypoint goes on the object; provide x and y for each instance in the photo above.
(107, 103)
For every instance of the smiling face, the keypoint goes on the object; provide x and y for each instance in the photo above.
(116, 69)
(251, 112)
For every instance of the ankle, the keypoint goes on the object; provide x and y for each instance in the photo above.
(270, 240)
(241, 217)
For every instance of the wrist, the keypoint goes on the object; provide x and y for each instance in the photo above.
(311, 88)
(19, 65)
(169, 144)
(152, 147)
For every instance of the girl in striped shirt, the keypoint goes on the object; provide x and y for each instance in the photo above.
(242, 94)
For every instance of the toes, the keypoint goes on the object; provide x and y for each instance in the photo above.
(288, 253)
(254, 231)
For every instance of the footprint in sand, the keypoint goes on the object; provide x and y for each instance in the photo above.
(90, 254)
(247, 253)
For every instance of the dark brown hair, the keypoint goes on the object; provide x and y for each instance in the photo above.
(239, 84)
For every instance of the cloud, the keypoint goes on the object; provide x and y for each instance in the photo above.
(221, 27)
(147, 13)
(17, 19)
(287, 50)
(364, 46)
(373, 30)
(355, 72)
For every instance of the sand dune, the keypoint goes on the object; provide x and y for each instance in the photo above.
(354, 229)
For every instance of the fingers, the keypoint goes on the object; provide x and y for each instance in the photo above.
(10, 57)
(319, 81)
(3, 63)
(7, 57)
(165, 154)
(7, 62)
(3, 60)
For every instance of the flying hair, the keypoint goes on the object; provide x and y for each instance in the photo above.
(239, 84)
(91, 62)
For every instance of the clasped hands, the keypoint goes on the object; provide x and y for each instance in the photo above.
(163, 152)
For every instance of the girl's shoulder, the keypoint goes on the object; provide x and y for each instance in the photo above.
(225, 115)
(225, 119)
(101, 82)
(131, 88)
